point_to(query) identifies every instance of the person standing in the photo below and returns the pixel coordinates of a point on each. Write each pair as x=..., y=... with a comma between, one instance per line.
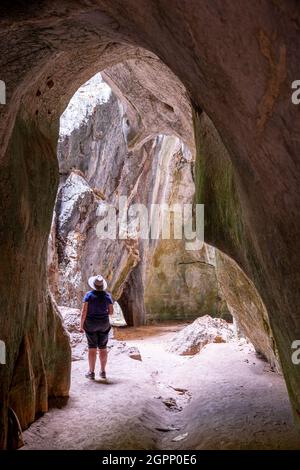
x=96, y=309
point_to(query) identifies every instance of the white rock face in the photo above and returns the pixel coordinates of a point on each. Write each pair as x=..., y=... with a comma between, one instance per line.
x=95, y=169
x=71, y=321
x=191, y=339
x=117, y=319
x=82, y=104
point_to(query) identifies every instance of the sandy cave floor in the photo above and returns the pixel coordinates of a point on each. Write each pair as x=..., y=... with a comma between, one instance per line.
x=223, y=398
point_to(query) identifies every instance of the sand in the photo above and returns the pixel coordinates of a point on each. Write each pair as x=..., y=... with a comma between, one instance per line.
x=223, y=398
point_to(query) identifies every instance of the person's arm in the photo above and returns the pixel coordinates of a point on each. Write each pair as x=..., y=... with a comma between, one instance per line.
x=110, y=303
x=83, y=315
x=110, y=309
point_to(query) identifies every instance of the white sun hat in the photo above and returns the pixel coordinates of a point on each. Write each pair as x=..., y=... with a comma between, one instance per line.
x=97, y=282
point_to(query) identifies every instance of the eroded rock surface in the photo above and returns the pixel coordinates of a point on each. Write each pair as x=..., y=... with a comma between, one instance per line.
x=98, y=167
x=204, y=330
x=247, y=308
x=180, y=283
x=141, y=272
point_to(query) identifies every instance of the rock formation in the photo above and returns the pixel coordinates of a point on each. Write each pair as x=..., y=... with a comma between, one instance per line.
x=141, y=273
x=204, y=330
x=96, y=168
x=247, y=308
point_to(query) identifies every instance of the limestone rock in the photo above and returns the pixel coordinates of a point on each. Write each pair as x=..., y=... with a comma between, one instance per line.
x=247, y=308
x=37, y=380
x=71, y=320
x=121, y=347
x=90, y=154
x=189, y=275
x=191, y=339
x=117, y=319
x=134, y=353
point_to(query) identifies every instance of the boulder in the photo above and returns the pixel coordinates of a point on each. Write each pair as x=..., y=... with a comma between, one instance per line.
x=134, y=353
x=191, y=339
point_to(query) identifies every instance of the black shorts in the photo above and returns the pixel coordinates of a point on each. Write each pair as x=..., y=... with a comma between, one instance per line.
x=97, y=339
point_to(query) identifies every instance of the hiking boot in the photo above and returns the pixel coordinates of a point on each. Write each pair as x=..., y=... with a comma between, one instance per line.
x=90, y=375
x=103, y=375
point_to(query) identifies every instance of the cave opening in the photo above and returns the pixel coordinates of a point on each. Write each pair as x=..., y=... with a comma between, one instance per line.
x=171, y=305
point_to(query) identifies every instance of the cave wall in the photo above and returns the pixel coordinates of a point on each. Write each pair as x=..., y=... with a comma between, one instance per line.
x=225, y=227
x=38, y=353
x=237, y=62
x=180, y=284
x=247, y=308
x=98, y=164
x=95, y=170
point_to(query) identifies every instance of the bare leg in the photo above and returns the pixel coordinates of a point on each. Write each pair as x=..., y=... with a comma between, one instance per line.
x=92, y=359
x=103, y=358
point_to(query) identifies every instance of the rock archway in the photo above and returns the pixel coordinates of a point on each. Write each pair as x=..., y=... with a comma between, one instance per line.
x=237, y=63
